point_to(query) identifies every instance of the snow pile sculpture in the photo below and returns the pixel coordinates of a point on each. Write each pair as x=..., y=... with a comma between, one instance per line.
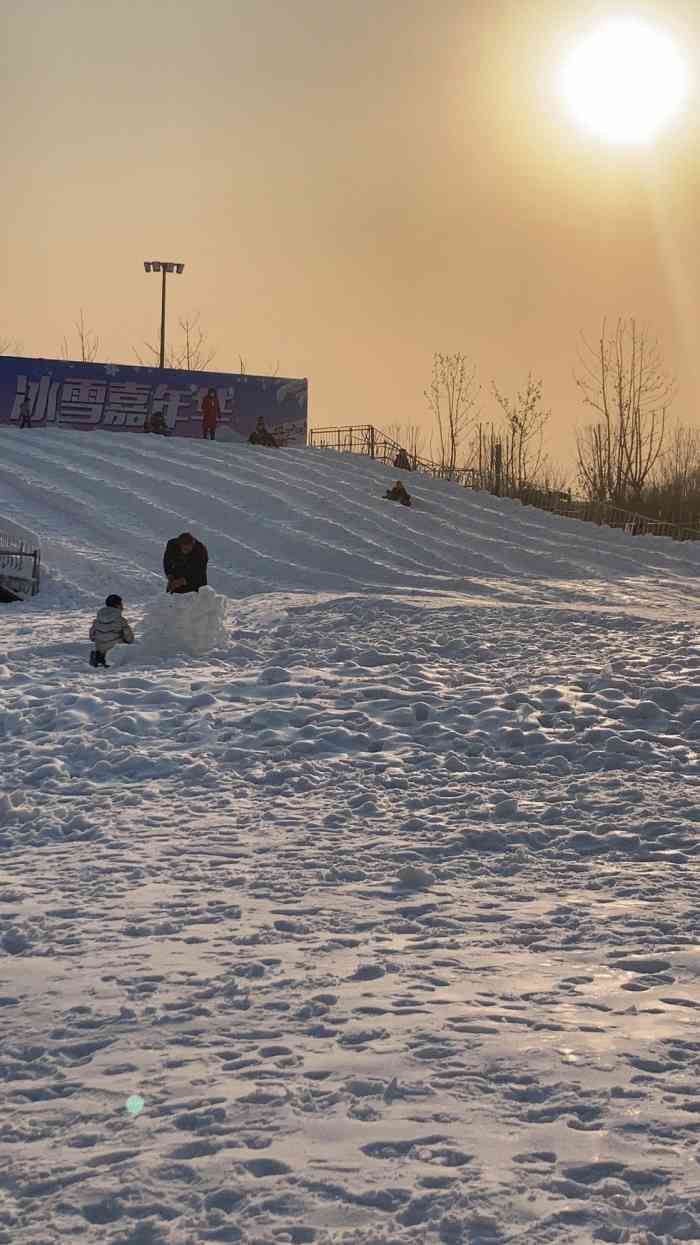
x=189, y=622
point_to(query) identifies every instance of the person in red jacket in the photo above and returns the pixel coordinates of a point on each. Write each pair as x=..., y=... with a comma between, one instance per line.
x=210, y=415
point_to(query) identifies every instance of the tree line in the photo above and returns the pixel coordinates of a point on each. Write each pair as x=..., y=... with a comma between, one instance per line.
x=630, y=454
x=189, y=349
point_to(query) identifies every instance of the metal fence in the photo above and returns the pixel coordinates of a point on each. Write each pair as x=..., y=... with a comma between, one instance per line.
x=605, y=514
x=366, y=439
x=20, y=564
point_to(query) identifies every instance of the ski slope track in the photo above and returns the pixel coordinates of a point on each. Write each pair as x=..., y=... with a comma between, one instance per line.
x=379, y=922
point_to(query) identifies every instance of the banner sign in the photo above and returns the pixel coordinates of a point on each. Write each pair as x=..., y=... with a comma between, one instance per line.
x=86, y=396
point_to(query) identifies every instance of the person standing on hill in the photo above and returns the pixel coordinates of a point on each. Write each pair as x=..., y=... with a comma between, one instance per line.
x=25, y=413
x=211, y=413
x=185, y=563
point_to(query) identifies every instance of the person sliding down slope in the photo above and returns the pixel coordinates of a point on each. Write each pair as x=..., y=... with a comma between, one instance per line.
x=398, y=493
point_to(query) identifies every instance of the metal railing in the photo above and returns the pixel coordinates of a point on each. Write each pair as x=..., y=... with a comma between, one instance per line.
x=20, y=564
x=366, y=439
x=605, y=514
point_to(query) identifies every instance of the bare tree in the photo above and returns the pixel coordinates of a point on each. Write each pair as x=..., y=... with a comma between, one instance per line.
x=673, y=490
x=678, y=466
x=452, y=399
x=408, y=436
x=414, y=442
x=88, y=342
x=624, y=380
x=195, y=353
x=552, y=477
x=192, y=353
x=525, y=419
x=9, y=345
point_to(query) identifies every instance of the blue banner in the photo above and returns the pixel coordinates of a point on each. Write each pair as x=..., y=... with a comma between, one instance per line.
x=86, y=396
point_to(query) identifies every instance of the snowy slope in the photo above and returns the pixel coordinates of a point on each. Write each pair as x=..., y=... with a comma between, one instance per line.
x=379, y=923
x=306, y=520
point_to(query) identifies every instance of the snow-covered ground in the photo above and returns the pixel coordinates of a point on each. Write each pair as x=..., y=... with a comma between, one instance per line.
x=379, y=922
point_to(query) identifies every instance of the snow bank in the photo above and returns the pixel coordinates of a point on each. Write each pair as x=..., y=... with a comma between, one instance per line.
x=193, y=623
x=230, y=436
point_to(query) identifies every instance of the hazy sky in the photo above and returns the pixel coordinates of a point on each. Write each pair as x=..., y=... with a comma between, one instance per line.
x=352, y=184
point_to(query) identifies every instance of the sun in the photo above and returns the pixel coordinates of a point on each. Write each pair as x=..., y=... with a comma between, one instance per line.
x=625, y=82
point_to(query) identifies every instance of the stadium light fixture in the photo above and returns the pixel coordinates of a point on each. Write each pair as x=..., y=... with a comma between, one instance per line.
x=159, y=265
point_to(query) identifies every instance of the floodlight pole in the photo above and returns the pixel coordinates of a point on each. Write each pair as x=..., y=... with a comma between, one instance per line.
x=164, y=267
x=162, y=322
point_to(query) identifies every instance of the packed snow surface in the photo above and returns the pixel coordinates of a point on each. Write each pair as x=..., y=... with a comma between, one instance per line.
x=358, y=901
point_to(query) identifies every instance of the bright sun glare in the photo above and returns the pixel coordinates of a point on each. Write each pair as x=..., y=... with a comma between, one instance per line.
x=625, y=81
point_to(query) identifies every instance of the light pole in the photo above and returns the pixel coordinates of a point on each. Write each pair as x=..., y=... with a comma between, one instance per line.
x=158, y=265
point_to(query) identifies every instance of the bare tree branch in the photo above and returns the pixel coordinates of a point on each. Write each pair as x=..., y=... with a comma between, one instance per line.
x=525, y=420
x=88, y=343
x=624, y=380
x=408, y=436
x=452, y=398
x=192, y=353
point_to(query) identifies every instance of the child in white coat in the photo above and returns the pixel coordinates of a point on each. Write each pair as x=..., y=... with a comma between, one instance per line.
x=108, y=629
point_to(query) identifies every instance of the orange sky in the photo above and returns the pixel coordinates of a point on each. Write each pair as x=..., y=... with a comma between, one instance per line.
x=351, y=185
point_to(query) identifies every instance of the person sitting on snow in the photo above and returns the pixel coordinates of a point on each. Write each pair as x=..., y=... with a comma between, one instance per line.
x=260, y=435
x=108, y=629
x=402, y=461
x=185, y=563
x=397, y=492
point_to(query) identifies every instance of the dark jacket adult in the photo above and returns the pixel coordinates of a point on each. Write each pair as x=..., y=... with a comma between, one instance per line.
x=211, y=412
x=190, y=566
x=398, y=493
x=260, y=436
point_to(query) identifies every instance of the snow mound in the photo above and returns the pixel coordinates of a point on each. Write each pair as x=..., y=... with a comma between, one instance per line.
x=193, y=623
x=229, y=435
